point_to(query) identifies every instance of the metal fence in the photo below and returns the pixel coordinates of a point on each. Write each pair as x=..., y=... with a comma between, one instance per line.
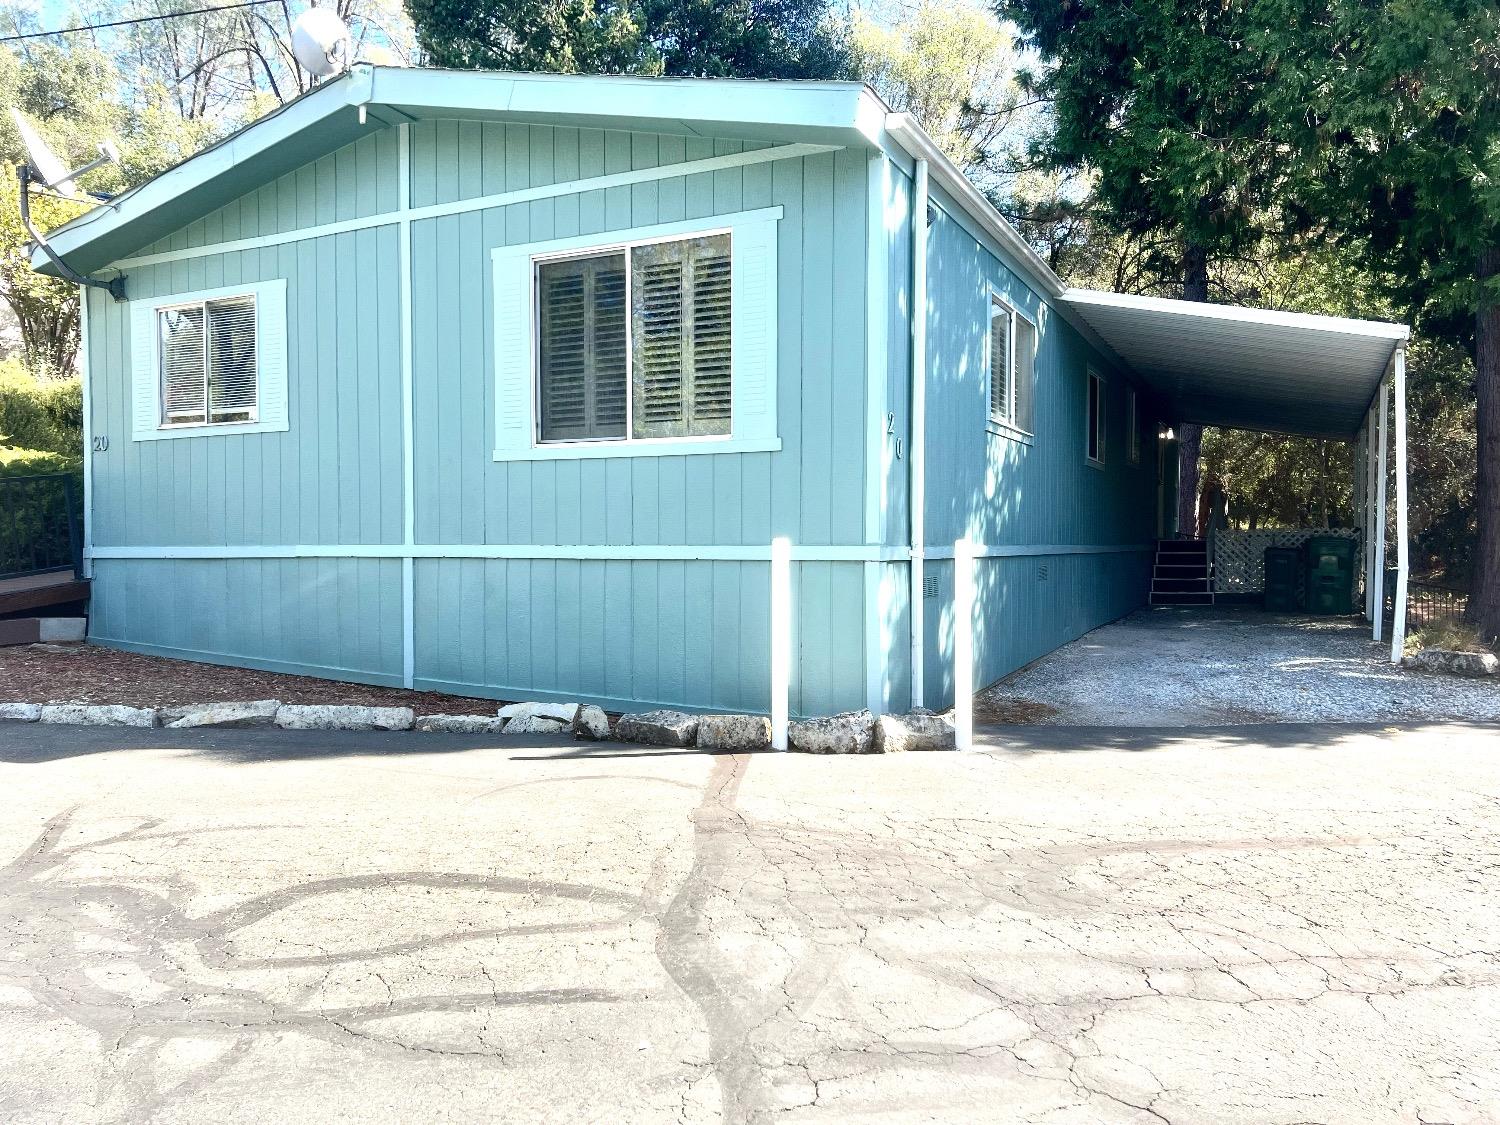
x=41, y=524
x=1428, y=603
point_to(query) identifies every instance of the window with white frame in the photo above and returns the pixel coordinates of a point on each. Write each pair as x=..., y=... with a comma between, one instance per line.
x=209, y=362
x=636, y=342
x=1132, y=428
x=656, y=340
x=1012, y=366
x=1094, y=439
x=207, y=356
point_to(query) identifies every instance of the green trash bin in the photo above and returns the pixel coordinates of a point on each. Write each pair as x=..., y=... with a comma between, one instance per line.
x=1283, y=579
x=1329, y=575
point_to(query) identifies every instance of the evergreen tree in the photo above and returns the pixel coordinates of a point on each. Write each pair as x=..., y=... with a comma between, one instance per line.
x=685, y=38
x=1164, y=100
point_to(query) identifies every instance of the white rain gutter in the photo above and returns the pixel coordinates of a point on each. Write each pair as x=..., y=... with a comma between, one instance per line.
x=918, y=500
x=905, y=131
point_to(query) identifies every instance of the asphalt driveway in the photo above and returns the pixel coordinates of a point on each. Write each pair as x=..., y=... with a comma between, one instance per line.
x=1264, y=924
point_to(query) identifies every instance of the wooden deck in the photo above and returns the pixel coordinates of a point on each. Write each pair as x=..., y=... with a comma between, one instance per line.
x=36, y=591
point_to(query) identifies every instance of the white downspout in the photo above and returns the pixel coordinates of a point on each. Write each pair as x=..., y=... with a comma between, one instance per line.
x=918, y=499
x=86, y=383
x=1380, y=488
x=1398, y=628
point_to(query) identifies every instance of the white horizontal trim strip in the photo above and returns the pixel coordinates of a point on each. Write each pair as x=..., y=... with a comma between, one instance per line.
x=631, y=236
x=674, y=447
x=1006, y=551
x=620, y=552
x=484, y=202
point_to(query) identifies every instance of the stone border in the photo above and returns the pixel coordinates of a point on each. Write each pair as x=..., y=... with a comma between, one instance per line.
x=853, y=732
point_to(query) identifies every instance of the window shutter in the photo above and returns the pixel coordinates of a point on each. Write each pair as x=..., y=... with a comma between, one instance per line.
x=657, y=309
x=753, y=329
x=513, y=318
x=1000, y=406
x=232, y=367
x=582, y=346
x=711, y=342
x=144, y=377
x=1025, y=380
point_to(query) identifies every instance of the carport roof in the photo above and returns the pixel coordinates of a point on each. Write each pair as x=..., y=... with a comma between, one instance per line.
x=1251, y=369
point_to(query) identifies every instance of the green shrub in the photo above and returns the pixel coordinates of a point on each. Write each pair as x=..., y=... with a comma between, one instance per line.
x=40, y=415
x=28, y=462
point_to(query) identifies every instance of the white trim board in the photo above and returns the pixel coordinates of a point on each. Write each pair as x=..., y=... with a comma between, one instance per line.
x=485, y=202
x=597, y=552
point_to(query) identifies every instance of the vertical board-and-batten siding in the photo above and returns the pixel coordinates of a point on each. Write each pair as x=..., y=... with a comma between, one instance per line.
x=617, y=630
x=1006, y=494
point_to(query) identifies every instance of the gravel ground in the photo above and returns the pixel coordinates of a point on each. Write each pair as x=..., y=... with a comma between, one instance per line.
x=91, y=674
x=1181, y=667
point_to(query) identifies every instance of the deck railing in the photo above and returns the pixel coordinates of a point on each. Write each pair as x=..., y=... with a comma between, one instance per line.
x=41, y=524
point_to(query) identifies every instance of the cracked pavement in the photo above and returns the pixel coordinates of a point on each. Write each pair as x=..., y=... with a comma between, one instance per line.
x=1250, y=924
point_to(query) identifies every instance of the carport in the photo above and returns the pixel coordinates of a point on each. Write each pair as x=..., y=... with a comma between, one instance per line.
x=1285, y=373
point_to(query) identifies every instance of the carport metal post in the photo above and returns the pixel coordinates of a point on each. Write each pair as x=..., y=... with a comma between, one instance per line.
x=1367, y=511
x=1398, y=627
x=1379, y=614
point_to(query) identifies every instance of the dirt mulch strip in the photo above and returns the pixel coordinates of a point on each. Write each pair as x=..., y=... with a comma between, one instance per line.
x=1012, y=712
x=89, y=674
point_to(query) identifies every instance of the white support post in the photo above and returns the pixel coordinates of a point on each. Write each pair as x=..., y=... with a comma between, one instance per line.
x=408, y=397
x=1398, y=627
x=781, y=639
x=963, y=644
x=1379, y=614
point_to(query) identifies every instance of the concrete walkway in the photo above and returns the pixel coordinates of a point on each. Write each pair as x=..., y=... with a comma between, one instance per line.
x=1169, y=666
x=1261, y=925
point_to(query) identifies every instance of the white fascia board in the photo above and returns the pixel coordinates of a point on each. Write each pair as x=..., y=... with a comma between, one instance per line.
x=248, y=144
x=1375, y=329
x=696, y=104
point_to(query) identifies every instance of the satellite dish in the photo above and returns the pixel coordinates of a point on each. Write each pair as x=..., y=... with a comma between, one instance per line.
x=51, y=172
x=320, y=42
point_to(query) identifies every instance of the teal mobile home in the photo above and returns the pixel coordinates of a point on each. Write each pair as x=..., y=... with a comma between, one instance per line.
x=507, y=385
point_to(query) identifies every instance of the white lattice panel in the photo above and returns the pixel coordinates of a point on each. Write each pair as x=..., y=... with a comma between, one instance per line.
x=1240, y=556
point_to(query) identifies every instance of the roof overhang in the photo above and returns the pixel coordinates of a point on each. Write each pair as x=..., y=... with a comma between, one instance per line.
x=369, y=98
x=1251, y=369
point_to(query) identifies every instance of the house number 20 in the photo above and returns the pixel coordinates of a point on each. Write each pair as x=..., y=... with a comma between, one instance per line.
x=101, y=443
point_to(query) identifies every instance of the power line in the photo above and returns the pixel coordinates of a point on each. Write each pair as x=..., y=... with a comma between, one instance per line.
x=141, y=19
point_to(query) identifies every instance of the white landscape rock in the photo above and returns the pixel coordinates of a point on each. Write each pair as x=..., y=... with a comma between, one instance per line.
x=256, y=713
x=536, y=724
x=317, y=716
x=562, y=712
x=919, y=729
x=98, y=715
x=21, y=712
x=460, y=724
x=734, y=732
x=1456, y=663
x=591, y=724
x=852, y=732
x=658, y=728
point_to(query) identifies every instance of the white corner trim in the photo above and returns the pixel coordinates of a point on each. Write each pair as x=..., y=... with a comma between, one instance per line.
x=86, y=386
x=633, y=236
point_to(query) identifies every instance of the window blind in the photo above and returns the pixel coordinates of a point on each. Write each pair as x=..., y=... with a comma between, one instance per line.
x=1000, y=369
x=208, y=361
